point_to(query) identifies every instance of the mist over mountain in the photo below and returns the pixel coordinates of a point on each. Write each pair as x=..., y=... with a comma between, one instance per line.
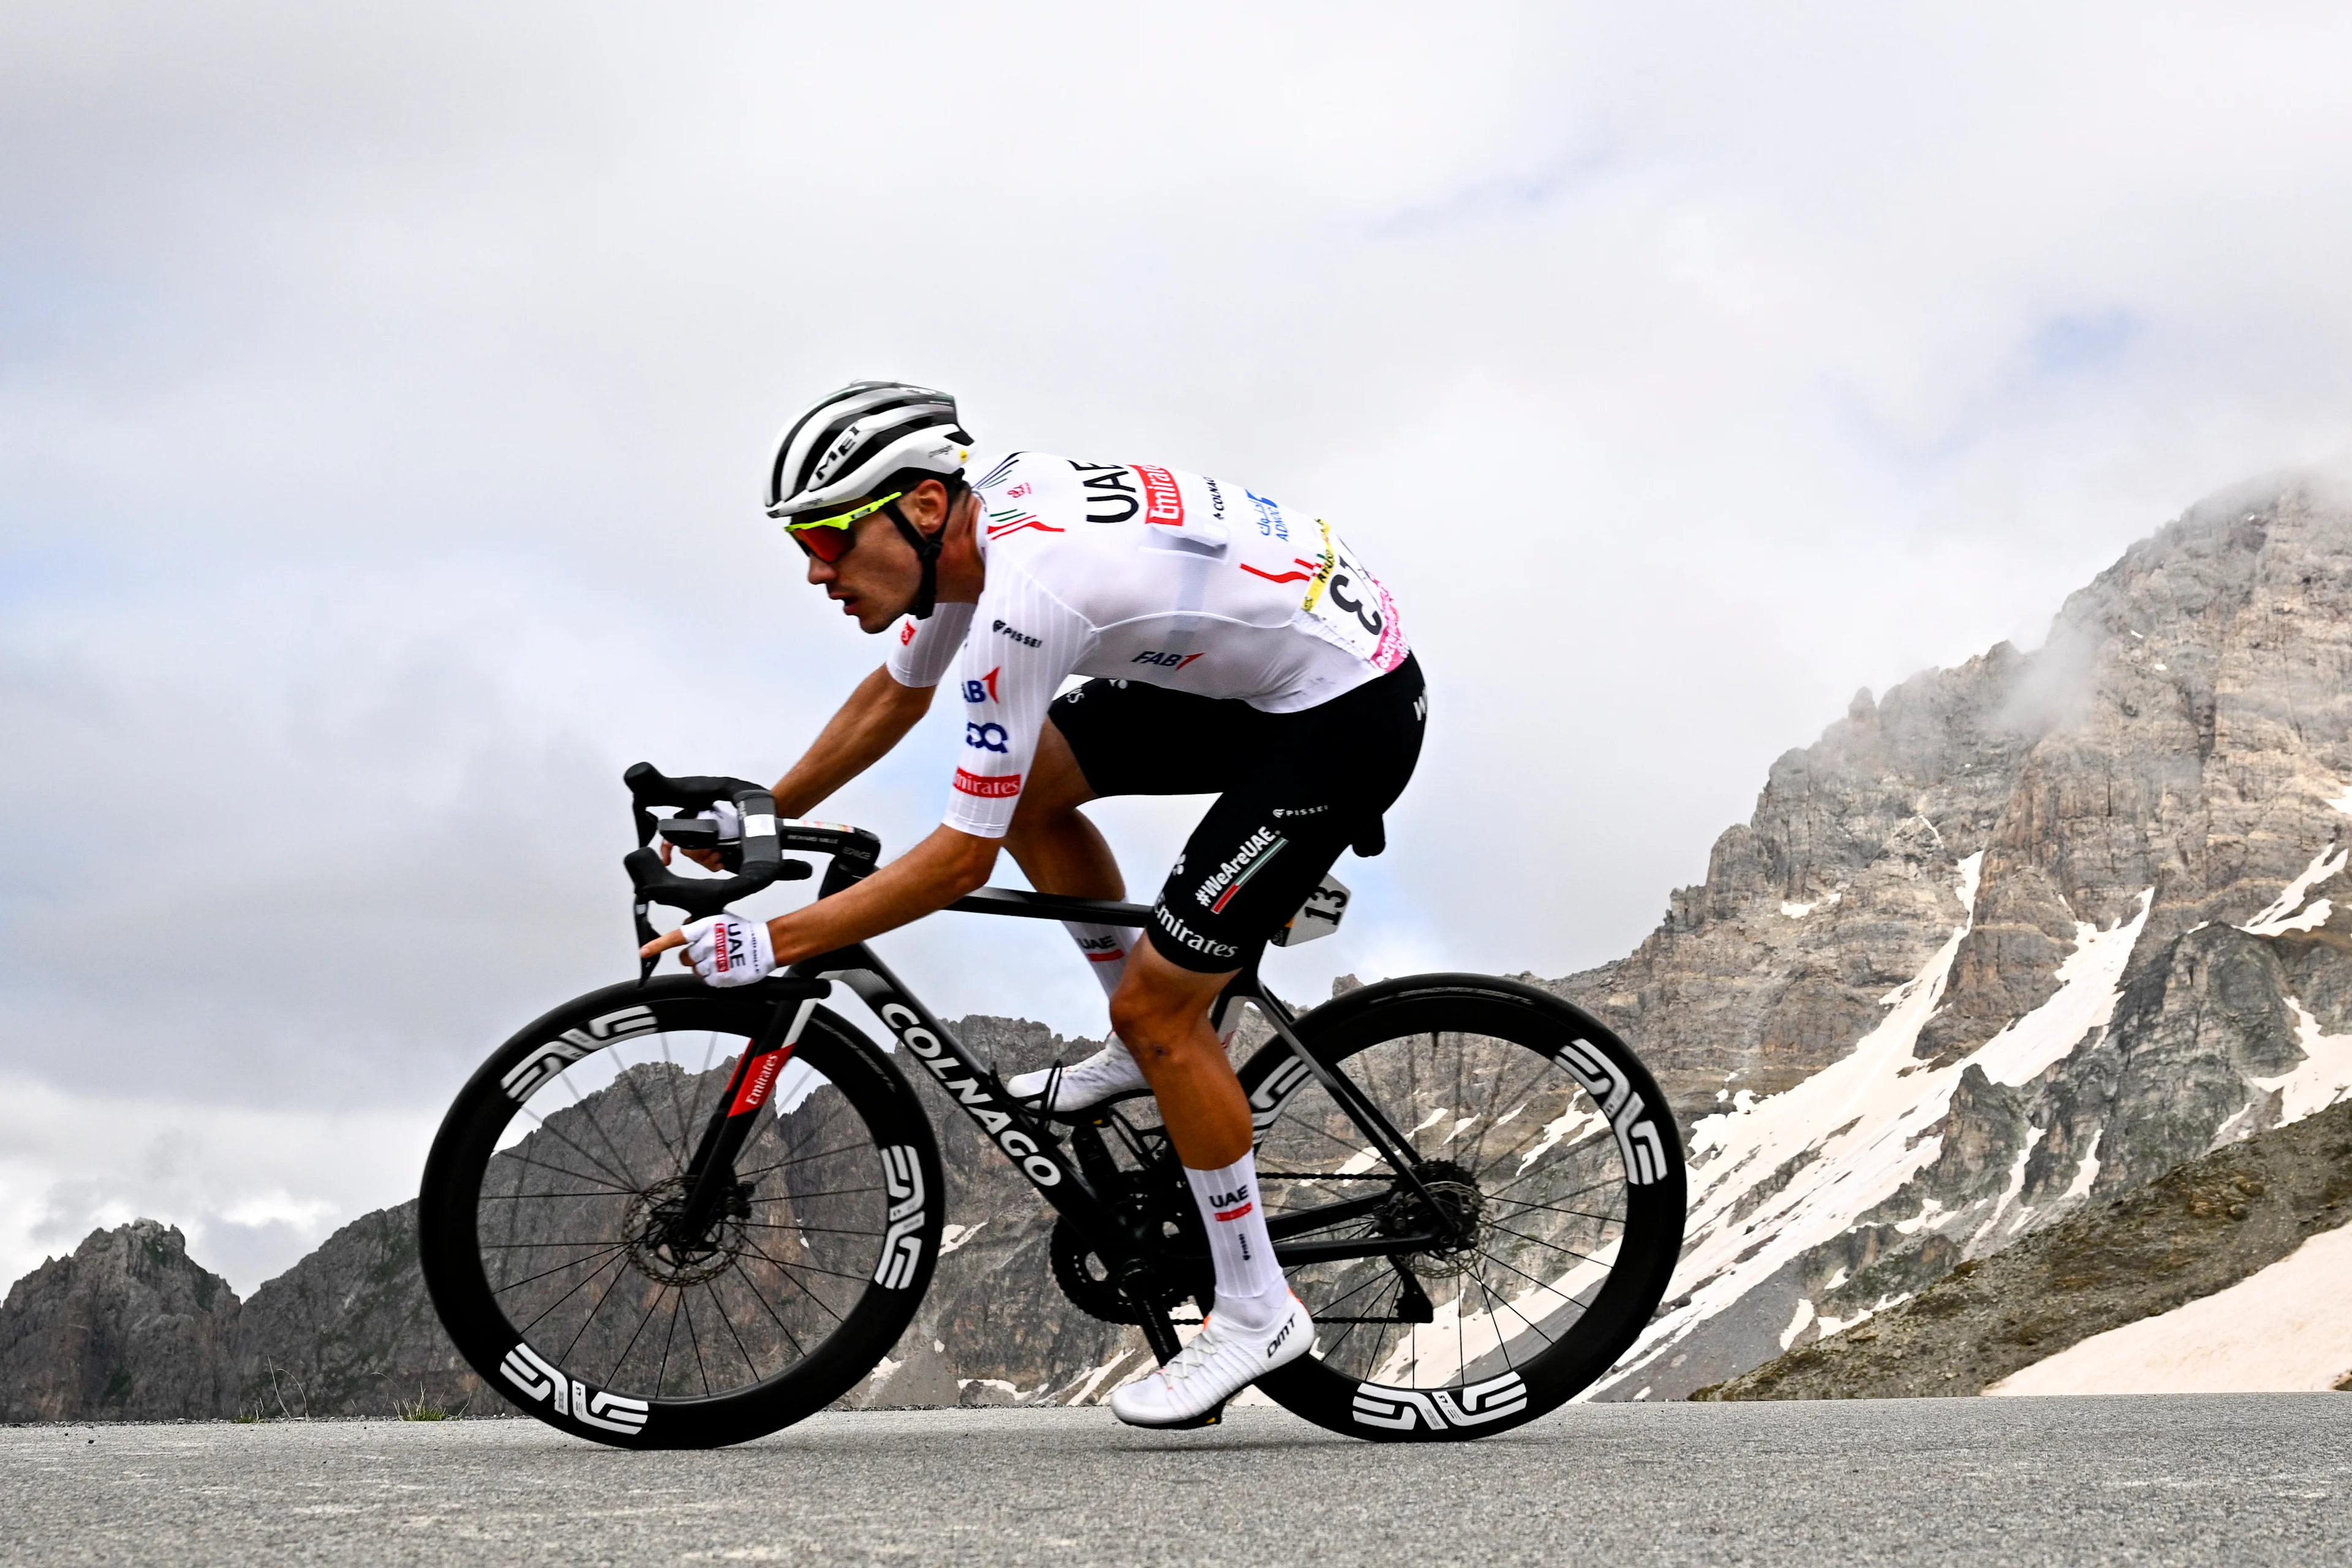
x=2010, y=940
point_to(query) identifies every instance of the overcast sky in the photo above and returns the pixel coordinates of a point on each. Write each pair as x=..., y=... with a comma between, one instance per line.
x=384, y=392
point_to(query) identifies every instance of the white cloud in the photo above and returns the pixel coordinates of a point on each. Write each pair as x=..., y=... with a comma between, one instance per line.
x=382, y=395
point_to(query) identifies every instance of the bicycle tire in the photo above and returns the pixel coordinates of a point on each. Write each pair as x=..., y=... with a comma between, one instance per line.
x=581, y=1123
x=1598, y=1178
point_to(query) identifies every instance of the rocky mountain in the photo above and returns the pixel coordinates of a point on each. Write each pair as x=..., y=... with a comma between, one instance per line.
x=2008, y=943
x=2016, y=937
x=126, y=1329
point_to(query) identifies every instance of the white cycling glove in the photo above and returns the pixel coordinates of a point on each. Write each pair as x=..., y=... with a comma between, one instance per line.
x=728, y=949
x=730, y=820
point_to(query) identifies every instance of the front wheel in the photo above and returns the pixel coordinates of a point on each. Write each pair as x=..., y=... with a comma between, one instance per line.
x=549, y=1227
x=1546, y=1159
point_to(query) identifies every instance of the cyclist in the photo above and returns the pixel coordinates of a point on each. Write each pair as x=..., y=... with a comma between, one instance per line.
x=1237, y=647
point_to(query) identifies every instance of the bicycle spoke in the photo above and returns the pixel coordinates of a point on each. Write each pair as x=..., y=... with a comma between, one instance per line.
x=520, y=1159
x=786, y=1269
x=613, y=1378
x=720, y=1307
x=694, y=1341
x=574, y=1291
x=761, y=1297
x=800, y=1160
x=1555, y=1208
x=591, y=1317
x=580, y=1103
x=626, y=1185
x=517, y=1285
x=824, y=1229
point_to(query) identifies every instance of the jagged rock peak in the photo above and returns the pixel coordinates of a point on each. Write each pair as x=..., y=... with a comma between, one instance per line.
x=2052, y=924
x=128, y=1328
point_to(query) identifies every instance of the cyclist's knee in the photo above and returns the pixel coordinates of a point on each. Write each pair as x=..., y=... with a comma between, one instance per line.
x=1160, y=1008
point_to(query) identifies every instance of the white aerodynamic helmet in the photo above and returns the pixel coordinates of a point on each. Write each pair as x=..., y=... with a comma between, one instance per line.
x=850, y=442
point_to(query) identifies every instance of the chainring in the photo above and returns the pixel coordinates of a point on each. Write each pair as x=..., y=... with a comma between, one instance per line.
x=1088, y=1283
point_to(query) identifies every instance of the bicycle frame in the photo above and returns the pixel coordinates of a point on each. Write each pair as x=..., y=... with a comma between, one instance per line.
x=1018, y=1132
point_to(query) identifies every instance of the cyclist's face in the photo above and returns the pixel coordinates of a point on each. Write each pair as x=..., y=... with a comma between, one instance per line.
x=877, y=579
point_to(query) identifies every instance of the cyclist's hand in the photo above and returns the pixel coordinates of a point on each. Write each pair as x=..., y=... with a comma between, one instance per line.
x=731, y=826
x=707, y=859
x=725, y=950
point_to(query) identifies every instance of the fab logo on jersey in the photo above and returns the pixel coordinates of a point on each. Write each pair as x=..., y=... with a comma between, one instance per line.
x=984, y=688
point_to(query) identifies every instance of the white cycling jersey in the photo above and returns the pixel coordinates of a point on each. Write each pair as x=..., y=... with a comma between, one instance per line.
x=1138, y=572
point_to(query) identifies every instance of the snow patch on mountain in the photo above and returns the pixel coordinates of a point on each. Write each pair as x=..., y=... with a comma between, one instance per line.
x=1773, y=1179
x=2287, y=912
x=2321, y=1079
x=2283, y=1330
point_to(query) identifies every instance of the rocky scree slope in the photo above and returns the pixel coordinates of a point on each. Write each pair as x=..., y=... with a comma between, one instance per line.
x=2193, y=1231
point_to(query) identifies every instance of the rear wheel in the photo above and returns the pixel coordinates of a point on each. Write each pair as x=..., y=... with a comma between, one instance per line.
x=550, y=1233
x=1548, y=1169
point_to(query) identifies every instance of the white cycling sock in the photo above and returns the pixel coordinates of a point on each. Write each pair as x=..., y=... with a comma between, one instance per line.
x=1106, y=948
x=1250, y=1291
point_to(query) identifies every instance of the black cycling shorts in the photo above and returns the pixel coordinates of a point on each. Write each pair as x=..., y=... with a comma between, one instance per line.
x=1293, y=790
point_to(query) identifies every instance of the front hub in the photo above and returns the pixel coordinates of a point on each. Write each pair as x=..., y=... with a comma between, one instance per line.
x=661, y=1249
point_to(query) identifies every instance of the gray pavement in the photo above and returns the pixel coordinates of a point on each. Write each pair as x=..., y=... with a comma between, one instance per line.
x=2236, y=1478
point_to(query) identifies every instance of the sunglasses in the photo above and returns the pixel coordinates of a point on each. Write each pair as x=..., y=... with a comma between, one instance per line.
x=831, y=538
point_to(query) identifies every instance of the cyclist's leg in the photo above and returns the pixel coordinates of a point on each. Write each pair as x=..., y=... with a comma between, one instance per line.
x=1111, y=737
x=1310, y=786
x=1056, y=848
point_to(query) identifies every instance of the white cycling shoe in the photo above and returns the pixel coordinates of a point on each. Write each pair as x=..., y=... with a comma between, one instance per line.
x=1109, y=1074
x=1219, y=1363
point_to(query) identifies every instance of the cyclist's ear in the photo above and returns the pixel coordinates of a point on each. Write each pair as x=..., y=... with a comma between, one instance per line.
x=927, y=506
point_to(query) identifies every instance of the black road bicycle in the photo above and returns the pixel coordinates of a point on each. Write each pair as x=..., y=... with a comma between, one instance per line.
x=670, y=1217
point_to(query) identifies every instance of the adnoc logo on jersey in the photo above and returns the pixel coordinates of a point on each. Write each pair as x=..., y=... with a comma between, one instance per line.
x=988, y=789
x=1164, y=502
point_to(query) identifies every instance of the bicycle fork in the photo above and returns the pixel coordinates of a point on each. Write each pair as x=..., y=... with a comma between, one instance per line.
x=709, y=1179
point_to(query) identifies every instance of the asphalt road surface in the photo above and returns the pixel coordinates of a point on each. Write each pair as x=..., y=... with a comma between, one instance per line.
x=2252, y=1479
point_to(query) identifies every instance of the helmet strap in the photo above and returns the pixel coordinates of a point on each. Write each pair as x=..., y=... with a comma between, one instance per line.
x=927, y=548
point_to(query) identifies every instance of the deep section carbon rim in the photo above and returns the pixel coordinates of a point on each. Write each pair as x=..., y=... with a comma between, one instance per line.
x=1536, y=1241
x=555, y=1245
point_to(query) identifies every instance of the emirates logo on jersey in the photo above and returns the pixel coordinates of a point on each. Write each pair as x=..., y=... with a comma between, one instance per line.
x=1001, y=788
x=1164, y=502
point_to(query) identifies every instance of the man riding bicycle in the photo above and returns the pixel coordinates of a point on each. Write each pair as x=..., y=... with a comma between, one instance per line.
x=1237, y=647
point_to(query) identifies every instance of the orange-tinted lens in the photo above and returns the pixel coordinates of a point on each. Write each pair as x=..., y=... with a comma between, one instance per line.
x=827, y=544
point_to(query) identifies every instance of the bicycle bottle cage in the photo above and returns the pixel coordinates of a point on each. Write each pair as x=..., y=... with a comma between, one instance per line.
x=754, y=860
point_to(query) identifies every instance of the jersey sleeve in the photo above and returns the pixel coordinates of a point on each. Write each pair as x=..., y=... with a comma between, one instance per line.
x=1023, y=642
x=925, y=648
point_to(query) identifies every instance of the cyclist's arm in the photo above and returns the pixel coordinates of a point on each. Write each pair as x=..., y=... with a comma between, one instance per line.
x=875, y=717
x=928, y=878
